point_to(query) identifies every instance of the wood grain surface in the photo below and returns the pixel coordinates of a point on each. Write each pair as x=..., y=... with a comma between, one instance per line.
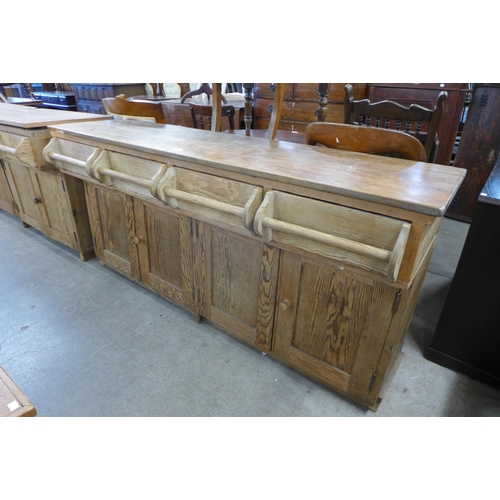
x=25, y=117
x=416, y=186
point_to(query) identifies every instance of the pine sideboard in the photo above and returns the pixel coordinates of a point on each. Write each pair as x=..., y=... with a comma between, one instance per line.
x=31, y=188
x=311, y=255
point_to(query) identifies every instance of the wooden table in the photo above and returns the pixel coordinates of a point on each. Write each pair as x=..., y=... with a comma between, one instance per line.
x=24, y=101
x=31, y=188
x=312, y=255
x=13, y=403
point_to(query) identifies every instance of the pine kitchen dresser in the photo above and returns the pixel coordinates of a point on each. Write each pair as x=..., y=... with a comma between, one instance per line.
x=311, y=255
x=31, y=188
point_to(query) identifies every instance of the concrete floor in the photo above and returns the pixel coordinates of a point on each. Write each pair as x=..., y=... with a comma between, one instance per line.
x=81, y=340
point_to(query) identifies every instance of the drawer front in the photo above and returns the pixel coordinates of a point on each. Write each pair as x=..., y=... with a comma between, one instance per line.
x=370, y=241
x=70, y=157
x=130, y=174
x=210, y=198
x=17, y=148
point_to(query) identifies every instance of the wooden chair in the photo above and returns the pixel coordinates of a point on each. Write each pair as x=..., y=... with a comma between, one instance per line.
x=280, y=124
x=376, y=141
x=202, y=115
x=205, y=88
x=277, y=106
x=123, y=108
x=420, y=122
x=169, y=90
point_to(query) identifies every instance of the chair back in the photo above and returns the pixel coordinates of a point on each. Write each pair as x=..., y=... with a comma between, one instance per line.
x=376, y=141
x=133, y=109
x=169, y=90
x=415, y=120
x=202, y=115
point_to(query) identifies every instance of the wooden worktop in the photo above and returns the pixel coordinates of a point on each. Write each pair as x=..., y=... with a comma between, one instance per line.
x=416, y=186
x=27, y=117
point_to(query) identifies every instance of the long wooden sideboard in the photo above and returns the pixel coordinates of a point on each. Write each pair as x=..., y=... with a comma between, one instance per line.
x=311, y=255
x=31, y=187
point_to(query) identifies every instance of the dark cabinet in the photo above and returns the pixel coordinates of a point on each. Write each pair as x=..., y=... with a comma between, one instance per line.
x=89, y=96
x=467, y=338
x=300, y=104
x=478, y=149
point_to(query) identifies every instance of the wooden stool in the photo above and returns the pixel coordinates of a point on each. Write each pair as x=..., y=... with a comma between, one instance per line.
x=13, y=403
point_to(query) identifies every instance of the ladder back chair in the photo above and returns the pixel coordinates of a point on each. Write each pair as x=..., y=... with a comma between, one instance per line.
x=122, y=108
x=415, y=120
x=202, y=115
x=371, y=140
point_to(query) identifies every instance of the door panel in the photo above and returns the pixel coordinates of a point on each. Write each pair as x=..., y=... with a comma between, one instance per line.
x=113, y=226
x=24, y=194
x=239, y=291
x=165, y=252
x=55, y=211
x=331, y=325
x=6, y=198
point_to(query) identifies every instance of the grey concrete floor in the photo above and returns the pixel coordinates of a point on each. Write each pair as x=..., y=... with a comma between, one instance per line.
x=81, y=340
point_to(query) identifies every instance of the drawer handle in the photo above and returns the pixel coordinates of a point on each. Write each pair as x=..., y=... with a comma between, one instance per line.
x=7, y=149
x=37, y=200
x=327, y=239
x=66, y=159
x=170, y=195
x=23, y=152
x=124, y=177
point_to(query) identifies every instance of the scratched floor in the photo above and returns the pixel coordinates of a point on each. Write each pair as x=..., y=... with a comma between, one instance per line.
x=81, y=340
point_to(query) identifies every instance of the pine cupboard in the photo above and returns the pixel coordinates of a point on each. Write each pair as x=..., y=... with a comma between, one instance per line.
x=311, y=255
x=31, y=188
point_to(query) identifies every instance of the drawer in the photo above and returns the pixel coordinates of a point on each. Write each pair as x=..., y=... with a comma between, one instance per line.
x=211, y=198
x=362, y=239
x=17, y=148
x=71, y=157
x=130, y=174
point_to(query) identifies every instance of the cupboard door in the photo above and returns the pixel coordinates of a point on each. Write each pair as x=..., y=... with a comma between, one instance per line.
x=238, y=283
x=330, y=325
x=6, y=199
x=26, y=199
x=113, y=227
x=165, y=250
x=54, y=208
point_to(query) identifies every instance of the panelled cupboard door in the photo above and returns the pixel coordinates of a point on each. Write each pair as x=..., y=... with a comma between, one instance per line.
x=6, y=199
x=24, y=194
x=330, y=325
x=55, y=213
x=145, y=242
x=113, y=227
x=238, y=283
x=165, y=246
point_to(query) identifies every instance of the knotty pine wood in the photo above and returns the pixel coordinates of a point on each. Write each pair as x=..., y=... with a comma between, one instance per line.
x=6, y=198
x=10, y=394
x=28, y=118
x=333, y=320
x=415, y=186
x=43, y=197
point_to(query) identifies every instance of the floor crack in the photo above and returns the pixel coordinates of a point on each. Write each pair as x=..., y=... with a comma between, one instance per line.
x=22, y=329
x=36, y=351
